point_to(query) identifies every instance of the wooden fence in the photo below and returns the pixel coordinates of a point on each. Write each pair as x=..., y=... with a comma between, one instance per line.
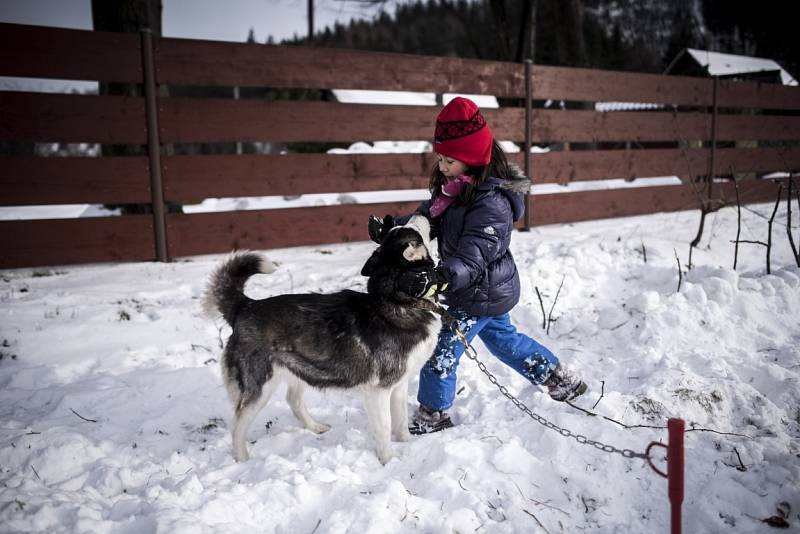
x=698, y=130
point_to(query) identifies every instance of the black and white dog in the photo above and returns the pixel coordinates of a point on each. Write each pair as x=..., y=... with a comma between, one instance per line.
x=370, y=342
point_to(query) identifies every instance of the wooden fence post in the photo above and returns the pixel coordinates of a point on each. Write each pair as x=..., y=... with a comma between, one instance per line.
x=713, y=139
x=154, y=145
x=528, y=135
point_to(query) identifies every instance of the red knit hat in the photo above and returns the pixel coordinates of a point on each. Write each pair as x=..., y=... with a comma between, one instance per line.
x=463, y=134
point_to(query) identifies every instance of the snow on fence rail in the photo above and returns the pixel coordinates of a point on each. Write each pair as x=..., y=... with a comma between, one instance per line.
x=705, y=127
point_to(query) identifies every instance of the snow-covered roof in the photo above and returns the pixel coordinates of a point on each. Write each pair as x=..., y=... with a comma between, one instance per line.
x=719, y=64
x=406, y=98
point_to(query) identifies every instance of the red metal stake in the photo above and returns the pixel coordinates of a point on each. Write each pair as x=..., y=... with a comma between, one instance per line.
x=674, y=474
x=675, y=471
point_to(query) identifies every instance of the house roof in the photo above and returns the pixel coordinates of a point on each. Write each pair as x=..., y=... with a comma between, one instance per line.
x=720, y=64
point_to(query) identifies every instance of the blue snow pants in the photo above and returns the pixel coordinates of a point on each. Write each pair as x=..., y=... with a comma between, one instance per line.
x=437, y=378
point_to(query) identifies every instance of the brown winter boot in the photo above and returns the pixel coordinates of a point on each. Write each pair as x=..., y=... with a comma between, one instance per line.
x=562, y=385
x=426, y=421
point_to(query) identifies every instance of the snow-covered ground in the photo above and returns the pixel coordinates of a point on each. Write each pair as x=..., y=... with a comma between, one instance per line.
x=114, y=417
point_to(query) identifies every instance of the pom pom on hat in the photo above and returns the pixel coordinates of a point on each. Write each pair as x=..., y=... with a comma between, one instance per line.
x=462, y=133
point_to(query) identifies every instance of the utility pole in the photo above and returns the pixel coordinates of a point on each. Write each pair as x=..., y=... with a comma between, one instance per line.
x=310, y=21
x=532, y=34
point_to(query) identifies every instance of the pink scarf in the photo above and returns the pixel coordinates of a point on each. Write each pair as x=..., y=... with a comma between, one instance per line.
x=448, y=195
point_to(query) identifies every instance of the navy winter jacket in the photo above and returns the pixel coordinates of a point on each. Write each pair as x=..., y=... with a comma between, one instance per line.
x=473, y=246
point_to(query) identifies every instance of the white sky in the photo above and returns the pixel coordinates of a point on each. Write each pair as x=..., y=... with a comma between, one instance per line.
x=228, y=20
x=222, y=20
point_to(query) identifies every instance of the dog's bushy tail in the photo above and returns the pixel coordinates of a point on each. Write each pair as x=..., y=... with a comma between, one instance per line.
x=225, y=292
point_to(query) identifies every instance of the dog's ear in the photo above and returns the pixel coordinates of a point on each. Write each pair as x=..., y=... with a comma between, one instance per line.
x=372, y=263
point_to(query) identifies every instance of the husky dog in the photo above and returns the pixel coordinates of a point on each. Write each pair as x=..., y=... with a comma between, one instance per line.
x=370, y=342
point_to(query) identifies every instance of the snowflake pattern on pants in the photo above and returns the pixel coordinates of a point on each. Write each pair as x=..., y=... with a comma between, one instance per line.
x=437, y=382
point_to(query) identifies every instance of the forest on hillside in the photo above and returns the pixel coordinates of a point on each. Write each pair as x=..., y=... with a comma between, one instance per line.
x=632, y=35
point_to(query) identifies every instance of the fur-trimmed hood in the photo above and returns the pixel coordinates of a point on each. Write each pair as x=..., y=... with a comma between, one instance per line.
x=516, y=181
x=513, y=186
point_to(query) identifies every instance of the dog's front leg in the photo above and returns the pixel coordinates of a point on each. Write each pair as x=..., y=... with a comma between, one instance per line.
x=399, y=403
x=376, y=403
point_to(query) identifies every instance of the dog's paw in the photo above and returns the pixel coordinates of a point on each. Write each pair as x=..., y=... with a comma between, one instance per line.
x=385, y=456
x=241, y=457
x=403, y=435
x=318, y=428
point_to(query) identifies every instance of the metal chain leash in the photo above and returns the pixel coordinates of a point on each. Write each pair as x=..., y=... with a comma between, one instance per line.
x=472, y=355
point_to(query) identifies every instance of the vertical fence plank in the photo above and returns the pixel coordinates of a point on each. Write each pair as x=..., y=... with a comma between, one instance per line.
x=153, y=146
x=527, y=145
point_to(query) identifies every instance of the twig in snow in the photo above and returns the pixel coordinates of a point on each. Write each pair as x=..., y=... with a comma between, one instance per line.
x=659, y=427
x=583, y=500
x=741, y=464
x=537, y=520
x=644, y=252
x=555, y=300
x=680, y=273
x=540, y=503
x=82, y=417
x=541, y=303
x=773, y=521
x=718, y=432
x=464, y=476
x=35, y=473
x=319, y=522
x=602, y=393
x=405, y=516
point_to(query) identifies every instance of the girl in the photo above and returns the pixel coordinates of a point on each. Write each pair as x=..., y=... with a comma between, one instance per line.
x=475, y=198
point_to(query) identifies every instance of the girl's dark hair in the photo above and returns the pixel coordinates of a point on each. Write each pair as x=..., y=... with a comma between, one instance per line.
x=497, y=167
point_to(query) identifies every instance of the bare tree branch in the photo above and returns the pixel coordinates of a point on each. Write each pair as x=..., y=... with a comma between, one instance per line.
x=789, y=221
x=771, y=220
x=602, y=393
x=550, y=315
x=738, y=223
x=541, y=303
x=750, y=242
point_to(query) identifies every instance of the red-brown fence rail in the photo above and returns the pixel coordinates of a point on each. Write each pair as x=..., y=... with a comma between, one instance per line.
x=700, y=123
